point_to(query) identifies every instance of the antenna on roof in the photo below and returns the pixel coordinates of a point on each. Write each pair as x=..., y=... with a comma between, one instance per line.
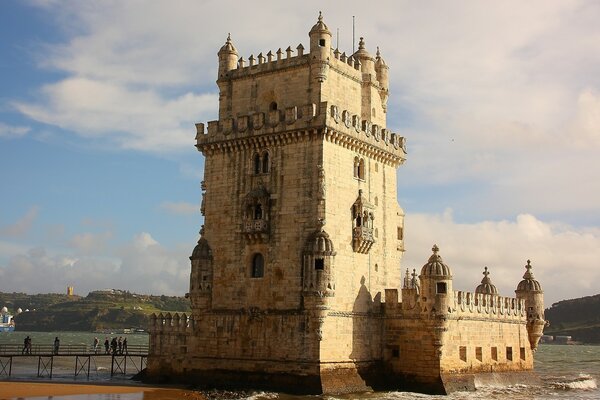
x=353, y=34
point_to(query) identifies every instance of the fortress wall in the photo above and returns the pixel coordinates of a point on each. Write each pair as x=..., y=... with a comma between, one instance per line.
x=484, y=345
x=283, y=343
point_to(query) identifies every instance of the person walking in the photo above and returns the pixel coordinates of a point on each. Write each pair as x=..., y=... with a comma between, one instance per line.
x=96, y=343
x=25, y=345
x=56, y=345
x=106, y=344
x=125, y=345
x=120, y=344
x=113, y=345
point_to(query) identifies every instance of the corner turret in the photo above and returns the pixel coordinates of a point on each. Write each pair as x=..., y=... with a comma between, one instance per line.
x=228, y=57
x=367, y=62
x=436, y=284
x=382, y=74
x=201, y=276
x=530, y=290
x=320, y=49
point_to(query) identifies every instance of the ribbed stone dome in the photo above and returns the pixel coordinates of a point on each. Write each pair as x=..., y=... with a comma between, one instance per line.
x=486, y=286
x=362, y=52
x=228, y=47
x=435, y=266
x=320, y=26
x=320, y=244
x=201, y=251
x=529, y=283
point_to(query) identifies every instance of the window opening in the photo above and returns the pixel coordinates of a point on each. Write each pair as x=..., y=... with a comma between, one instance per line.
x=319, y=264
x=322, y=42
x=258, y=214
x=258, y=268
x=495, y=353
x=462, y=352
x=509, y=354
x=265, y=163
x=441, y=287
x=478, y=354
x=273, y=106
x=256, y=164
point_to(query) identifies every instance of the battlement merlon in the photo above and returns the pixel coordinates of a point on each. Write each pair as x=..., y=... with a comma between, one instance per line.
x=339, y=126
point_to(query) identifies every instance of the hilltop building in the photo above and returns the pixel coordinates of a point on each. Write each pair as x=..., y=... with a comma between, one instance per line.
x=296, y=282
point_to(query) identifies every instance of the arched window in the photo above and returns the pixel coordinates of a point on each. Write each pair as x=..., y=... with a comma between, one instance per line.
x=361, y=169
x=356, y=167
x=256, y=163
x=258, y=266
x=265, y=162
x=258, y=213
x=273, y=106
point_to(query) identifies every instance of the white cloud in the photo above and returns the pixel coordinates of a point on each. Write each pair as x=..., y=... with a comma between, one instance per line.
x=21, y=226
x=90, y=243
x=565, y=259
x=11, y=131
x=141, y=265
x=181, y=208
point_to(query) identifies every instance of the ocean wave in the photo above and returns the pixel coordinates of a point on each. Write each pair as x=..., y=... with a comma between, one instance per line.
x=582, y=382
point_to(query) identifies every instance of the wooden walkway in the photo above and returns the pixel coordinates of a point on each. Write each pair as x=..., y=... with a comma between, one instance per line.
x=135, y=357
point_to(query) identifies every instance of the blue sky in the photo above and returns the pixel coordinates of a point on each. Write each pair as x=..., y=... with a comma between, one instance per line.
x=100, y=182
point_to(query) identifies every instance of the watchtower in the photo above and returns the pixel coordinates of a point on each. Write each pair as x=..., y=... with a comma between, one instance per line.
x=302, y=230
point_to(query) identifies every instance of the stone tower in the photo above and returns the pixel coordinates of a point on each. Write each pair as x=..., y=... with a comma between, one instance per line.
x=302, y=229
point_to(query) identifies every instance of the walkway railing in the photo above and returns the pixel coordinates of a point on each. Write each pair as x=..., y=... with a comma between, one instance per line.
x=135, y=356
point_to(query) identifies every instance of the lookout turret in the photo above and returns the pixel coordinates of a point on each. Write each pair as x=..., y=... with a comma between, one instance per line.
x=227, y=57
x=486, y=286
x=436, y=283
x=531, y=290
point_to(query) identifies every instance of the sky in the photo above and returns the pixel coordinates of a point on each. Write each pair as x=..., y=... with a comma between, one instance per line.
x=100, y=180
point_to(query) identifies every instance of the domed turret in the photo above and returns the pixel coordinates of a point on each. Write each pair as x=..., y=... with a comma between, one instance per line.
x=318, y=266
x=530, y=290
x=367, y=62
x=320, y=48
x=486, y=286
x=382, y=71
x=228, y=57
x=201, y=275
x=435, y=266
x=436, y=283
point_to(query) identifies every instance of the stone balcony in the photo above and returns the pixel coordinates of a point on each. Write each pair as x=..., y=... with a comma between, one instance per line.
x=362, y=239
x=256, y=230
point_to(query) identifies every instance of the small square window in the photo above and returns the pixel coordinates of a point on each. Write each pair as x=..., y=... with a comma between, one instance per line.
x=462, y=352
x=441, y=287
x=495, y=353
x=322, y=42
x=509, y=355
x=319, y=264
x=522, y=353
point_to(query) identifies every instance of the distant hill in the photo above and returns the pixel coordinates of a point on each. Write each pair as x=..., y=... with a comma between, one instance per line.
x=102, y=309
x=579, y=318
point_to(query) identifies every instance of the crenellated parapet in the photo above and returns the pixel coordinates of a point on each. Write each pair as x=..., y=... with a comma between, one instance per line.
x=274, y=127
x=489, y=306
x=170, y=323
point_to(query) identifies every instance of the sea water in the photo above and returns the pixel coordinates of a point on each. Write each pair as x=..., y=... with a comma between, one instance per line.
x=566, y=372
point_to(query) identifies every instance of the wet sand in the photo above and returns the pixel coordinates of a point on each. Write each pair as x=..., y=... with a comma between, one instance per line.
x=14, y=390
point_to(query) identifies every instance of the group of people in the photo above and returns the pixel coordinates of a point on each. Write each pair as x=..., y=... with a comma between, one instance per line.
x=27, y=346
x=113, y=346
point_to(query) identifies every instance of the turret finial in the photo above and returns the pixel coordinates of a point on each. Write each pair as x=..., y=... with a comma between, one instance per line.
x=320, y=19
x=378, y=54
x=435, y=249
x=229, y=37
x=485, y=272
x=361, y=44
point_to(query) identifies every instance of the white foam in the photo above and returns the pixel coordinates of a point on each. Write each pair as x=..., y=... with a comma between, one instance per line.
x=583, y=382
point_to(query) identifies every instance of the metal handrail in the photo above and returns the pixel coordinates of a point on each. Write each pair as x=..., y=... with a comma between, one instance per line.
x=67, y=349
